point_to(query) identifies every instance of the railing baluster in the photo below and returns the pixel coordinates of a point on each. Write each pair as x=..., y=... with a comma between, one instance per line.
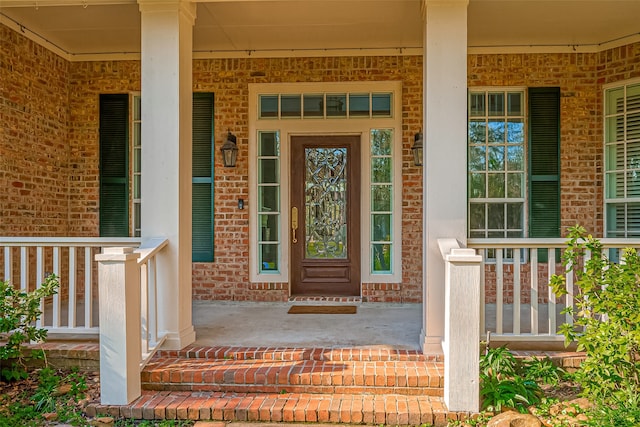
x=533, y=257
x=483, y=299
x=153, y=301
x=39, y=281
x=144, y=301
x=88, y=288
x=56, y=297
x=72, y=288
x=499, y=291
x=24, y=268
x=569, y=296
x=8, y=264
x=516, y=291
x=552, y=296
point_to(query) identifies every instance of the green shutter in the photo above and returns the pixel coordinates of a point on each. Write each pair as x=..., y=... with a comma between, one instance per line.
x=114, y=166
x=544, y=164
x=202, y=184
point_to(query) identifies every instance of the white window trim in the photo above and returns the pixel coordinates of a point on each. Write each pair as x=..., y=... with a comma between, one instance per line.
x=288, y=127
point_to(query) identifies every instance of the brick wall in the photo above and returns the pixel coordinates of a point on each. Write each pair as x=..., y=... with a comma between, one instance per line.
x=34, y=152
x=52, y=105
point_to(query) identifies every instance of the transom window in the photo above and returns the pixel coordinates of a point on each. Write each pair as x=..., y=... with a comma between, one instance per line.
x=622, y=160
x=496, y=162
x=325, y=105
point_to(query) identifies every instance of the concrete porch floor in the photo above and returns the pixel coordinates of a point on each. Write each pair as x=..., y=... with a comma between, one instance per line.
x=267, y=324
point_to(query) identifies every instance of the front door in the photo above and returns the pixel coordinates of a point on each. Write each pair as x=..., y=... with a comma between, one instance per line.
x=325, y=215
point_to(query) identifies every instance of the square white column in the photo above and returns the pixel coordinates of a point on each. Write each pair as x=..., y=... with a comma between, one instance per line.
x=166, y=62
x=445, y=151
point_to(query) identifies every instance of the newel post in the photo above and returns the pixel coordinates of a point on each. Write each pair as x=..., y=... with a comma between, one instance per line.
x=461, y=343
x=120, y=325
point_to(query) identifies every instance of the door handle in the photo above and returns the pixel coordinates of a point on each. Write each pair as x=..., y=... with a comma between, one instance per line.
x=294, y=224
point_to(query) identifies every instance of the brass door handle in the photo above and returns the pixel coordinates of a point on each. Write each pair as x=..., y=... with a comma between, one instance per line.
x=294, y=224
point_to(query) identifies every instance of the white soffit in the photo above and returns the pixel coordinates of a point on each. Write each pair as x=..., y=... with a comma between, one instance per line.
x=86, y=29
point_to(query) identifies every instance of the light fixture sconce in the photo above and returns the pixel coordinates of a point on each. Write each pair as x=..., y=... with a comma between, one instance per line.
x=229, y=151
x=416, y=149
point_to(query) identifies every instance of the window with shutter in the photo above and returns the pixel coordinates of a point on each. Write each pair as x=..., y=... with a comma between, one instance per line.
x=622, y=160
x=202, y=184
x=114, y=166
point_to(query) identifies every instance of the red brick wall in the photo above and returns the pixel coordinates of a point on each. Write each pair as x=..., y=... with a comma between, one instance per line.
x=34, y=152
x=52, y=105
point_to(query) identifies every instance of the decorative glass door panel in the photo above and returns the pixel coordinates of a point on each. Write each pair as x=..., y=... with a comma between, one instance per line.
x=326, y=203
x=325, y=213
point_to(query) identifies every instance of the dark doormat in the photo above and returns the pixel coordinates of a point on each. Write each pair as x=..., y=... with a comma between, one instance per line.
x=323, y=309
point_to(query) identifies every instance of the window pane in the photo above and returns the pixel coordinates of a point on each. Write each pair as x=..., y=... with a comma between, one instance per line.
x=268, y=199
x=381, y=104
x=476, y=104
x=614, y=98
x=496, y=185
x=633, y=126
x=381, y=228
x=614, y=129
x=477, y=185
x=515, y=217
x=476, y=216
x=381, y=257
x=336, y=105
x=290, y=106
x=381, y=198
x=614, y=185
x=515, y=185
x=269, y=144
x=268, y=171
x=496, y=132
x=136, y=186
x=137, y=108
x=313, y=106
x=515, y=131
x=381, y=141
x=496, y=104
x=477, y=161
x=268, y=228
x=496, y=159
x=633, y=183
x=268, y=106
x=514, y=104
x=268, y=258
x=515, y=158
x=495, y=216
x=359, y=105
x=477, y=131
x=633, y=155
x=381, y=169
x=614, y=157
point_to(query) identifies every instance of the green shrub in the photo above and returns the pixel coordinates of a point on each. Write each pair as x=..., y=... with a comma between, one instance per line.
x=19, y=311
x=607, y=315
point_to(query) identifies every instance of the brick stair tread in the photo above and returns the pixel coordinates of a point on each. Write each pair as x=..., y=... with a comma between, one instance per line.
x=380, y=377
x=390, y=409
x=302, y=353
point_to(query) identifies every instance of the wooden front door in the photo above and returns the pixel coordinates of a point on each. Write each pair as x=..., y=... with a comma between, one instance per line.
x=325, y=215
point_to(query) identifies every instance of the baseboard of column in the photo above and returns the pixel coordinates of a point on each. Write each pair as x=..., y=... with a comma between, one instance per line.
x=178, y=341
x=431, y=345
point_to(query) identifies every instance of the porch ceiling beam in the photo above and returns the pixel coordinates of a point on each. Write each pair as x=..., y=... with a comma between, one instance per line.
x=44, y=3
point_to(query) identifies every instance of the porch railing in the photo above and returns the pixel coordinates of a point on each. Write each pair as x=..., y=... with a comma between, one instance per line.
x=28, y=260
x=517, y=303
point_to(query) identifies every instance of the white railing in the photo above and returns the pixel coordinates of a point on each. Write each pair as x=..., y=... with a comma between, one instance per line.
x=517, y=303
x=28, y=260
x=151, y=340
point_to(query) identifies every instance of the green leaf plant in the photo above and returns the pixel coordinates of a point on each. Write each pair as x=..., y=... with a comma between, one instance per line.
x=606, y=316
x=19, y=311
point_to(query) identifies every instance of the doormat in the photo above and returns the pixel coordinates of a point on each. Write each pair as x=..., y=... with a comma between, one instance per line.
x=323, y=309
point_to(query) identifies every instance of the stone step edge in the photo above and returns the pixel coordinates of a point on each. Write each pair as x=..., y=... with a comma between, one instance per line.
x=301, y=353
x=398, y=410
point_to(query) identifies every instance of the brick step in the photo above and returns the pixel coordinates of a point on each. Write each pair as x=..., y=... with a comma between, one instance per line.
x=304, y=353
x=303, y=376
x=390, y=409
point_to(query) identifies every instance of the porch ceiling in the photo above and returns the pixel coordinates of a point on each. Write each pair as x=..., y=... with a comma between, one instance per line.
x=86, y=27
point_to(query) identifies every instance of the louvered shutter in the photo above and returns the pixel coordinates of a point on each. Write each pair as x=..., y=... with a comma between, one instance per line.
x=544, y=163
x=202, y=184
x=114, y=167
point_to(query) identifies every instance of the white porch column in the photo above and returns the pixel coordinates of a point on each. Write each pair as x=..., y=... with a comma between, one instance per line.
x=445, y=150
x=167, y=39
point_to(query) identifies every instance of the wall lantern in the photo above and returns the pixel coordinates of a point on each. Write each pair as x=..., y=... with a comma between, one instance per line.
x=417, y=149
x=229, y=151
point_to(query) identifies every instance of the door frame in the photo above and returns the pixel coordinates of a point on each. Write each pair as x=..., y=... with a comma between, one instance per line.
x=288, y=127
